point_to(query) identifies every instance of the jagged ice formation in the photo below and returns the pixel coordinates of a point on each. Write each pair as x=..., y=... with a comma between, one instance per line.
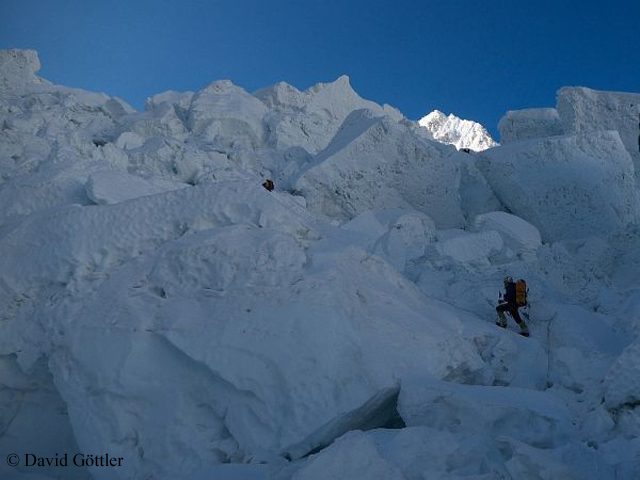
x=159, y=305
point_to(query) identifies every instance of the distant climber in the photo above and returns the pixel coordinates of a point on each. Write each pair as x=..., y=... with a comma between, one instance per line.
x=268, y=184
x=515, y=296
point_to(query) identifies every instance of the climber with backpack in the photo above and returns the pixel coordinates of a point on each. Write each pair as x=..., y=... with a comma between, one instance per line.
x=515, y=297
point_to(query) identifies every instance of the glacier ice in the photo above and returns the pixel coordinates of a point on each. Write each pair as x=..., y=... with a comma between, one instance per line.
x=158, y=304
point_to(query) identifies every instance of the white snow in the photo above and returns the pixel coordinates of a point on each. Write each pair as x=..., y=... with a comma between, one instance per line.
x=530, y=123
x=375, y=162
x=583, y=110
x=157, y=303
x=569, y=186
x=455, y=131
x=518, y=235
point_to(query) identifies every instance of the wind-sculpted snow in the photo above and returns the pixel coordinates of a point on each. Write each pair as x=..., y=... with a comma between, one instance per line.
x=157, y=303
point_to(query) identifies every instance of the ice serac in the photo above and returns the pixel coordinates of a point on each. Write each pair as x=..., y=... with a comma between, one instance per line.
x=455, y=131
x=583, y=110
x=158, y=304
x=623, y=380
x=18, y=69
x=375, y=162
x=530, y=123
x=310, y=119
x=224, y=113
x=30, y=402
x=535, y=418
x=519, y=235
x=422, y=452
x=568, y=186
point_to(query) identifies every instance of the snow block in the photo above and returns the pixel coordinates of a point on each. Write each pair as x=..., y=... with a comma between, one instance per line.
x=161, y=121
x=225, y=114
x=18, y=68
x=112, y=186
x=310, y=119
x=374, y=163
x=425, y=453
x=353, y=456
x=583, y=110
x=471, y=248
x=406, y=240
x=530, y=123
x=377, y=412
x=530, y=416
x=518, y=235
x=622, y=382
x=568, y=186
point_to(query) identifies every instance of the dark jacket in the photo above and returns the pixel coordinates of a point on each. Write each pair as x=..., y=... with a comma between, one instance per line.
x=510, y=294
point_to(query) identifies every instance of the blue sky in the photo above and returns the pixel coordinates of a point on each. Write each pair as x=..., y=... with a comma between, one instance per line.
x=476, y=59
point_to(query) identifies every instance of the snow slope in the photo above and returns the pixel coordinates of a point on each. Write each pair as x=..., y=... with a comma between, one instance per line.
x=158, y=304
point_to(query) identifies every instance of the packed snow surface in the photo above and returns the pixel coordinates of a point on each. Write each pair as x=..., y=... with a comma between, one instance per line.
x=159, y=305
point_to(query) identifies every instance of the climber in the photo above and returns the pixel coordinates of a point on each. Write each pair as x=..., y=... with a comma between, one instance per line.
x=268, y=184
x=515, y=296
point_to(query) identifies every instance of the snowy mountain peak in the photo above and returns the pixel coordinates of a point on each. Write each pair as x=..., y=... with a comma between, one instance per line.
x=456, y=131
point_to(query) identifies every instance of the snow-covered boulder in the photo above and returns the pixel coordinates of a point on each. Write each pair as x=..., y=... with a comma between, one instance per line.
x=375, y=162
x=535, y=418
x=530, y=123
x=568, y=186
x=583, y=110
x=455, y=131
x=518, y=235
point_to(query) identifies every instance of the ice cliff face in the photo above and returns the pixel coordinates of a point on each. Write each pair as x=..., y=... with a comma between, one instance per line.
x=455, y=131
x=159, y=305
